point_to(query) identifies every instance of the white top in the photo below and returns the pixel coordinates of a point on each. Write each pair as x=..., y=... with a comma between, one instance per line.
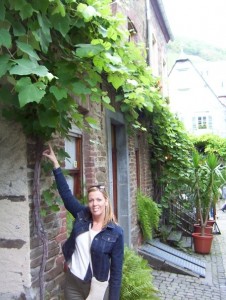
x=81, y=257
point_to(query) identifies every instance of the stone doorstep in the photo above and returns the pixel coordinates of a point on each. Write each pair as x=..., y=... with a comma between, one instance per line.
x=186, y=242
x=174, y=236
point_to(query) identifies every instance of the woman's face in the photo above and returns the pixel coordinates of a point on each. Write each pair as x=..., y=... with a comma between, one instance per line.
x=97, y=203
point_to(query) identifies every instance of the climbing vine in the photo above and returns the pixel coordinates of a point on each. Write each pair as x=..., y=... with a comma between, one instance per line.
x=171, y=154
x=52, y=51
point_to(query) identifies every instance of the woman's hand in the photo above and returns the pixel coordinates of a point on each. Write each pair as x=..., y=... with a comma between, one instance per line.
x=49, y=153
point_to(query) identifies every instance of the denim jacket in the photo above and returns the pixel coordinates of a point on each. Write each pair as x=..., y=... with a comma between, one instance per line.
x=107, y=247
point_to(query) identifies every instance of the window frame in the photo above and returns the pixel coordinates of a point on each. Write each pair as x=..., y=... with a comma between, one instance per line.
x=76, y=173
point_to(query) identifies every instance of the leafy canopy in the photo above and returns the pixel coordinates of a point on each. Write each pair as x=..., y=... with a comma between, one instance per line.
x=55, y=51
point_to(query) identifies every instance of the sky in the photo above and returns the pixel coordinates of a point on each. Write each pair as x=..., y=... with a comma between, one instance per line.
x=203, y=20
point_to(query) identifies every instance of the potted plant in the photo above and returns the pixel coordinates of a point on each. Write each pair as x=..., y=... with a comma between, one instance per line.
x=208, y=228
x=207, y=178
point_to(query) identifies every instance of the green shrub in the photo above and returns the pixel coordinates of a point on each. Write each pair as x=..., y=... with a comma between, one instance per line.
x=137, y=278
x=148, y=215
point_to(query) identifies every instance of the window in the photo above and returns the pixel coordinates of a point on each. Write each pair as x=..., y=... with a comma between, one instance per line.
x=73, y=146
x=202, y=122
x=184, y=79
x=132, y=31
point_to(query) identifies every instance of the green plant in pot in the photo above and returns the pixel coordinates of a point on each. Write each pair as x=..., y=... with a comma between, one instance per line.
x=208, y=176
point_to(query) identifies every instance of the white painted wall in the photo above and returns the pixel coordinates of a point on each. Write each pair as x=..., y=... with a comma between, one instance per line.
x=190, y=96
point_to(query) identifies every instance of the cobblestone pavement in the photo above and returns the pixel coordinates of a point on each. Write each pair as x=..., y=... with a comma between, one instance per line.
x=173, y=286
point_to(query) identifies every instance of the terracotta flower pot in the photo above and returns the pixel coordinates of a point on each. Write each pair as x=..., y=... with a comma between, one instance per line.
x=210, y=222
x=202, y=244
x=208, y=229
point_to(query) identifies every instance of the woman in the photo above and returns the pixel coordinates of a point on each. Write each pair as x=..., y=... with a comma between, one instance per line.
x=95, y=246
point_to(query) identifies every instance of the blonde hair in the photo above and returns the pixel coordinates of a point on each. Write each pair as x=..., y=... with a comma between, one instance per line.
x=109, y=214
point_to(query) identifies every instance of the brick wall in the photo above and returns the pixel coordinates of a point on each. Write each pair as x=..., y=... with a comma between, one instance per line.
x=145, y=181
x=95, y=150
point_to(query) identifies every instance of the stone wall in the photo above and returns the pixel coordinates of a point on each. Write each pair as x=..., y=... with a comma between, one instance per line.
x=20, y=249
x=14, y=213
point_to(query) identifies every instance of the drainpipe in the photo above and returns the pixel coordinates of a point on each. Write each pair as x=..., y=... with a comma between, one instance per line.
x=149, y=32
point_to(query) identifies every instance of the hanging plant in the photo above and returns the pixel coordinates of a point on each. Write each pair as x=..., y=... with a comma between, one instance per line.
x=148, y=215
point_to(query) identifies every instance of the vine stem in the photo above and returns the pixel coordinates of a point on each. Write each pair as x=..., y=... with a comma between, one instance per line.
x=36, y=197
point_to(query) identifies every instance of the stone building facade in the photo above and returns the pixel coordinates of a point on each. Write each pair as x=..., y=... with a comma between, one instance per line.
x=110, y=156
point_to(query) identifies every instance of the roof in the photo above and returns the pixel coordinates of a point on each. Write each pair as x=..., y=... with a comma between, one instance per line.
x=213, y=73
x=162, y=19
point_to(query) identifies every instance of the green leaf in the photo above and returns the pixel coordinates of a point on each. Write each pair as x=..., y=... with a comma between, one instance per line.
x=124, y=107
x=45, y=40
x=107, y=46
x=132, y=82
x=94, y=79
x=106, y=99
x=44, y=23
x=6, y=96
x=99, y=62
x=80, y=88
x=5, y=38
x=114, y=59
x=145, y=80
x=41, y=5
x=2, y=11
x=88, y=12
x=116, y=79
x=61, y=24
x=26, y=11
x=112, y=33
x=54, y=208
x=25, y=67
x=109, y=107
x=102, y=31
x=60, y=9
x=92, y=122
x=59, y=93
x=18, y=29
x=28, y=49
x=43, y=33
x=29, y=92
x=43, y=213
x=88, y=50
x=48, y=197
x=48, y=118
x=120, y=69
x=4, y=64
